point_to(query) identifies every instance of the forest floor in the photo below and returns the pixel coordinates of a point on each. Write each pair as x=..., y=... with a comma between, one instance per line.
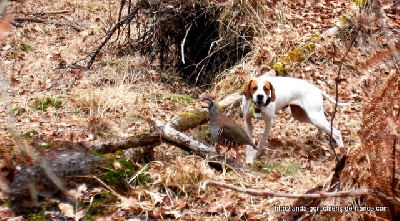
x=117, y=96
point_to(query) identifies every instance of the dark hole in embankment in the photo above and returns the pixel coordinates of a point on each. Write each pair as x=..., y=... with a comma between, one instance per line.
x=210, y=45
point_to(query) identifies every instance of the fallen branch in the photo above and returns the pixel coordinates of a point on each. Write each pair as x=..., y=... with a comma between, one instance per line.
x=191, y=119
x=184, y=142
x=124, y=144
x=183, y=122
x=172, y=133
x=163, y=132
x=166, y=132
x=54, y=12
x=270, y=193
x=44, y=21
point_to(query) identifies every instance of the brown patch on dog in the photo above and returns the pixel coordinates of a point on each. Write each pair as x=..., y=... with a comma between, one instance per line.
x=250, y=88
x=267, y=88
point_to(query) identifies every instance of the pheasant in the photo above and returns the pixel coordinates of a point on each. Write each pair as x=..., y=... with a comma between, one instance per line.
x=225, y=131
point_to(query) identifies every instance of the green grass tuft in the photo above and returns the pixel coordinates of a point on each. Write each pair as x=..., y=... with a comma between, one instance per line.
x=99, y=205
x=284, y=168
x=184, y=99
x=44, y=103
x=16, y=111
x=118, y=178
x=29, y=134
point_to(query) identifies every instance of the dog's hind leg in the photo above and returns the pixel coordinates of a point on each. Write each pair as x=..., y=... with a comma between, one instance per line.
x=319, y=120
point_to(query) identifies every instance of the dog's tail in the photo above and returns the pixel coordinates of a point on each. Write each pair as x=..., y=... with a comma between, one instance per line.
x=333, y=100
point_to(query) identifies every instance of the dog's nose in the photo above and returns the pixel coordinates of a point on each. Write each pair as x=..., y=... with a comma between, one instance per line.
x=260, y=97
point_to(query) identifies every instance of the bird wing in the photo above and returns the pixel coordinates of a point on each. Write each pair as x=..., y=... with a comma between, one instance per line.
x=233, y=132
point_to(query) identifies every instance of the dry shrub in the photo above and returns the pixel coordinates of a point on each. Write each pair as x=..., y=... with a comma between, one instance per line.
x=97, y=102
x=231, y=81
x=183, y=175
x=213, y=35
x=373, y=164
x=124, y=92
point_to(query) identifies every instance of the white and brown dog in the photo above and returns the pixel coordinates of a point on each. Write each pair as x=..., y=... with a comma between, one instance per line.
x=265, y=96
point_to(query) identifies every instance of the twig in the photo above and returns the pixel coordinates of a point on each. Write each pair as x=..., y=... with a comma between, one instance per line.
x=105, y=185
x=183, y=44
x=128, y=33
x=270, y=193
x=53, y=12
x=122, y=3
x=171, y=135
x=380, y=12
x=337, y=92
x=72, y=23
x=182, y=122
x=39, y=20
x=126, y=20
x=29, y=19
x=137, y=174
x=340, y=163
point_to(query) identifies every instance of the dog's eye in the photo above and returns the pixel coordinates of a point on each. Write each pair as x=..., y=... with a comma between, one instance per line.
x=254, y=88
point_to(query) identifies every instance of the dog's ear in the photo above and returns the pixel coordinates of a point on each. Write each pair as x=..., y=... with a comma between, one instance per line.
x=246, y=90
x=273, y=97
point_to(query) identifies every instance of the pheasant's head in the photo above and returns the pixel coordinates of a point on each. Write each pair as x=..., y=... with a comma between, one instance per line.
x=207, y=101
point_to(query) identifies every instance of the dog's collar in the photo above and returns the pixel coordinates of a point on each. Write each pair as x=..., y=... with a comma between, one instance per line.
x=256, y=111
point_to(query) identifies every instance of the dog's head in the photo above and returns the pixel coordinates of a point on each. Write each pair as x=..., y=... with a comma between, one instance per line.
x=261, y=93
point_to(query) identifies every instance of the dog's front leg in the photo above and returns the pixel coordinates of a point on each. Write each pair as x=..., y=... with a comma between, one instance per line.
x=250, y=151
x=246, y=107
x=261, y=145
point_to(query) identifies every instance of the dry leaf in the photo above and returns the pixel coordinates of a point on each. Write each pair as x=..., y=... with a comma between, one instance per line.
x=275, y=175
x=221, y=206
x=157, y=198
x=215, y=209
x=67, y=210
x=80, y=214
x=6, y=212
x=175, y=213
x=127, y=203
x=18, y=218
x=117, y=165
x=254, y=215
x=78, y=192
x=5, y=27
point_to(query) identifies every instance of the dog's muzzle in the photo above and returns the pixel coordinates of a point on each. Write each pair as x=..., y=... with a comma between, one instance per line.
x=259, y=102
